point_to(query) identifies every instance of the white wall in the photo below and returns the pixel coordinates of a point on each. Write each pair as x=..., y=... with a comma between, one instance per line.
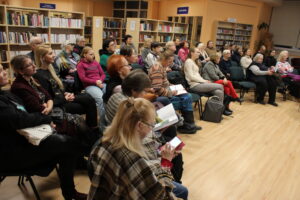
x=285, y=24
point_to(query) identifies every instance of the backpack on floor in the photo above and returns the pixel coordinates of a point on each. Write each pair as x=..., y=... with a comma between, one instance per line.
x=213, y=110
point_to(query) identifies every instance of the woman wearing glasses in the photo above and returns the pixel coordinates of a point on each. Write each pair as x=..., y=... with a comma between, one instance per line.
x=120, y=163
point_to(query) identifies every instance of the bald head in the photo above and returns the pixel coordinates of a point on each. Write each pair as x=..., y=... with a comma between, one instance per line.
x=35, y=41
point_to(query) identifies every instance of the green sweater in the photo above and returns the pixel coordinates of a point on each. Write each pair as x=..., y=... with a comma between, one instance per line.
x=103, y=63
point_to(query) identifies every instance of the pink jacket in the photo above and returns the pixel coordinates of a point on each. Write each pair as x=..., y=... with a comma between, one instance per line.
x=89, y=72
x=183, y=53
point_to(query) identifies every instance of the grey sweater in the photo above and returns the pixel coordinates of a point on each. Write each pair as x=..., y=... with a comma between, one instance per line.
x=212, y=72
x=255, y=70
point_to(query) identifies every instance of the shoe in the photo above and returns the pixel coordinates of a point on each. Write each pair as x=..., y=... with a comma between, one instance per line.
x=273, y=104
x=186, y=129
x=239, y=100
x=228, y=109
x=198, y=128
x=261, y=102
x=79, y=196
x=227, y=113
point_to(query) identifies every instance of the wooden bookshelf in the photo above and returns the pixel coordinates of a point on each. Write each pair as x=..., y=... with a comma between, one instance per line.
x=233, y=33
x=130, y=8
x=194, y=27
x=159, y=30
x=21, y=23
x=103, y=28
x=88, y=24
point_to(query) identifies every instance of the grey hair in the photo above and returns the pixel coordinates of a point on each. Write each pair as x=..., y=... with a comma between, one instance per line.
x=226, y=51
x=64, y=44
x=79, y=38
x=34, y=38
x=257, y=56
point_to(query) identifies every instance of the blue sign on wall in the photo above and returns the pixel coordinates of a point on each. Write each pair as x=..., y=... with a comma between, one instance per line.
x=47, y=5
x=182, y=10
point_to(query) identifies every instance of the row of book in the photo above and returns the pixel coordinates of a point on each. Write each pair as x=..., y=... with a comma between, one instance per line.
x=225, y=37
x=24, y=37
x=59, y=38
x=241, y=38
x=3, y=56
x=112, y=24
x=225, y=31
x=164, y=38
x=239, y=32
x=246, y=27
x=107, y=34
x=146, y=27
x=165, y=28
x=179, y=29
x=221, y=43
x=143, y=37
x=65, y=22
x=3, y=37
x=15, y=53
x=30, y=19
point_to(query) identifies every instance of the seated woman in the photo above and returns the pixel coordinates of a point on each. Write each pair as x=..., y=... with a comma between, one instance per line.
x=262, y=77
x=237, y=55
x=184, y=50
x=20, y=155
x=183, y=102
x=196, y=82
x=108, y=49
x=246, y=60
x=135, y=85
x=146, y=48
x=121, y=148
x=204, y=58
x=283, y=67
x=153, y=56
x=92, y=77
x=177, y=64
x=270, y=60
x=118, y=68
x=212, y=72
x=210, y=49
x=74, y=104
x=225, y=63
x=65, y=63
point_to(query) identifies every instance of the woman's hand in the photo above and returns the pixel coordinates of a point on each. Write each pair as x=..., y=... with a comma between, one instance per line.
x=167, y=152
x=225, y=81
x=72, y=70
x=53, y=125
x=69, y=96
x=46, y=110
x=99, y=84
x=174, y=93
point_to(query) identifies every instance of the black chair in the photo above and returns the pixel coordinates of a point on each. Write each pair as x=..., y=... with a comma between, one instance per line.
x=43, y=172
x=197, y=99
x=238, y=79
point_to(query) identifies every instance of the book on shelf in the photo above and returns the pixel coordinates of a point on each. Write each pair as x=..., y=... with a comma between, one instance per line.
x=226, y=31
x=30, y=19
x=225, y=37
x=112, y=24
x=59, y=38
x=3, y=56
x=179, y=88
x=107, y=34
x=165, y=28
x=146, y=27
x=164, y=38
x=88, y=22
x=179, y=29
x=3, y=37
x=15, y=53
x=65, y=22
x=143, y=37
x=166, y=116
x=24, y=37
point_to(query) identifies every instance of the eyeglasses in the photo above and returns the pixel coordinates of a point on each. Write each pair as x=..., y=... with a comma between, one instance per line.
x=150, y=125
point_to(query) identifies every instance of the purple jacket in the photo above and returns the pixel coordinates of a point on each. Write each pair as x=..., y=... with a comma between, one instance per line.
x=90, y=72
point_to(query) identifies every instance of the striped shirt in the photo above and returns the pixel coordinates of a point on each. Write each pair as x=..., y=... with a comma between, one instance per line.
x=159, y=81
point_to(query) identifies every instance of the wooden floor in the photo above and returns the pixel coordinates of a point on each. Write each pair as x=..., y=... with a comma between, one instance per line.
x=254, y=155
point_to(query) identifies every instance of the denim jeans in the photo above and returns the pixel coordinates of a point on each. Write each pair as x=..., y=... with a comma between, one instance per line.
x=182, y=102
x=97, y=94
x=180, y=191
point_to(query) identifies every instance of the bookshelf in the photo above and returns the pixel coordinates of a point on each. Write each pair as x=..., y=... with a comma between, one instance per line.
x=88, y=31
x=159, y=30
x=103, y=28
x=130, y=8
x=19, y=24
x=233, y=33
x=194, y=27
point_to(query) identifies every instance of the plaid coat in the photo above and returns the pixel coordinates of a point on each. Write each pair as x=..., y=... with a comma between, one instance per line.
x=122, y=174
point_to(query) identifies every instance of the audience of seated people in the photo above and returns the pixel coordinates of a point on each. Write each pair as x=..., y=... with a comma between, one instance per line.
x=108, y=49
x=262, y=77
x=80, y=44
x=49, y=80
x=65, y=63
x=120, y=97
x=262, y=50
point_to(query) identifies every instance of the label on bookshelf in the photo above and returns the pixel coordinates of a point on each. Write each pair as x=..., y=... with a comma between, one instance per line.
x=29, y=19
x=3, y=37
x=59, y=38
x=65, y=22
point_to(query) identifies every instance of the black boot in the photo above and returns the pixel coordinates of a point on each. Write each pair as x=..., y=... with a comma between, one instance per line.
x=189, y=125
x=226, y=102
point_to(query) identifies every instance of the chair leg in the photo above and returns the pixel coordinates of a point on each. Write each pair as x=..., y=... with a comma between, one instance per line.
x=33, y=188
x=19, y=180
x=200, y=108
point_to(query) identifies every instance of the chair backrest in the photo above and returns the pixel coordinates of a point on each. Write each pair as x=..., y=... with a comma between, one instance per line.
x=237, y=74
x=234, y=63
x=295, y=62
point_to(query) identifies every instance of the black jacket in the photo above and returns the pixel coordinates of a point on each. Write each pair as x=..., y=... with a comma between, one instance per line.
x=13, y=118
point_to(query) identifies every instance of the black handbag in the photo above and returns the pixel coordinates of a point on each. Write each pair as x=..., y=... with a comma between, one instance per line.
x=213, y=110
